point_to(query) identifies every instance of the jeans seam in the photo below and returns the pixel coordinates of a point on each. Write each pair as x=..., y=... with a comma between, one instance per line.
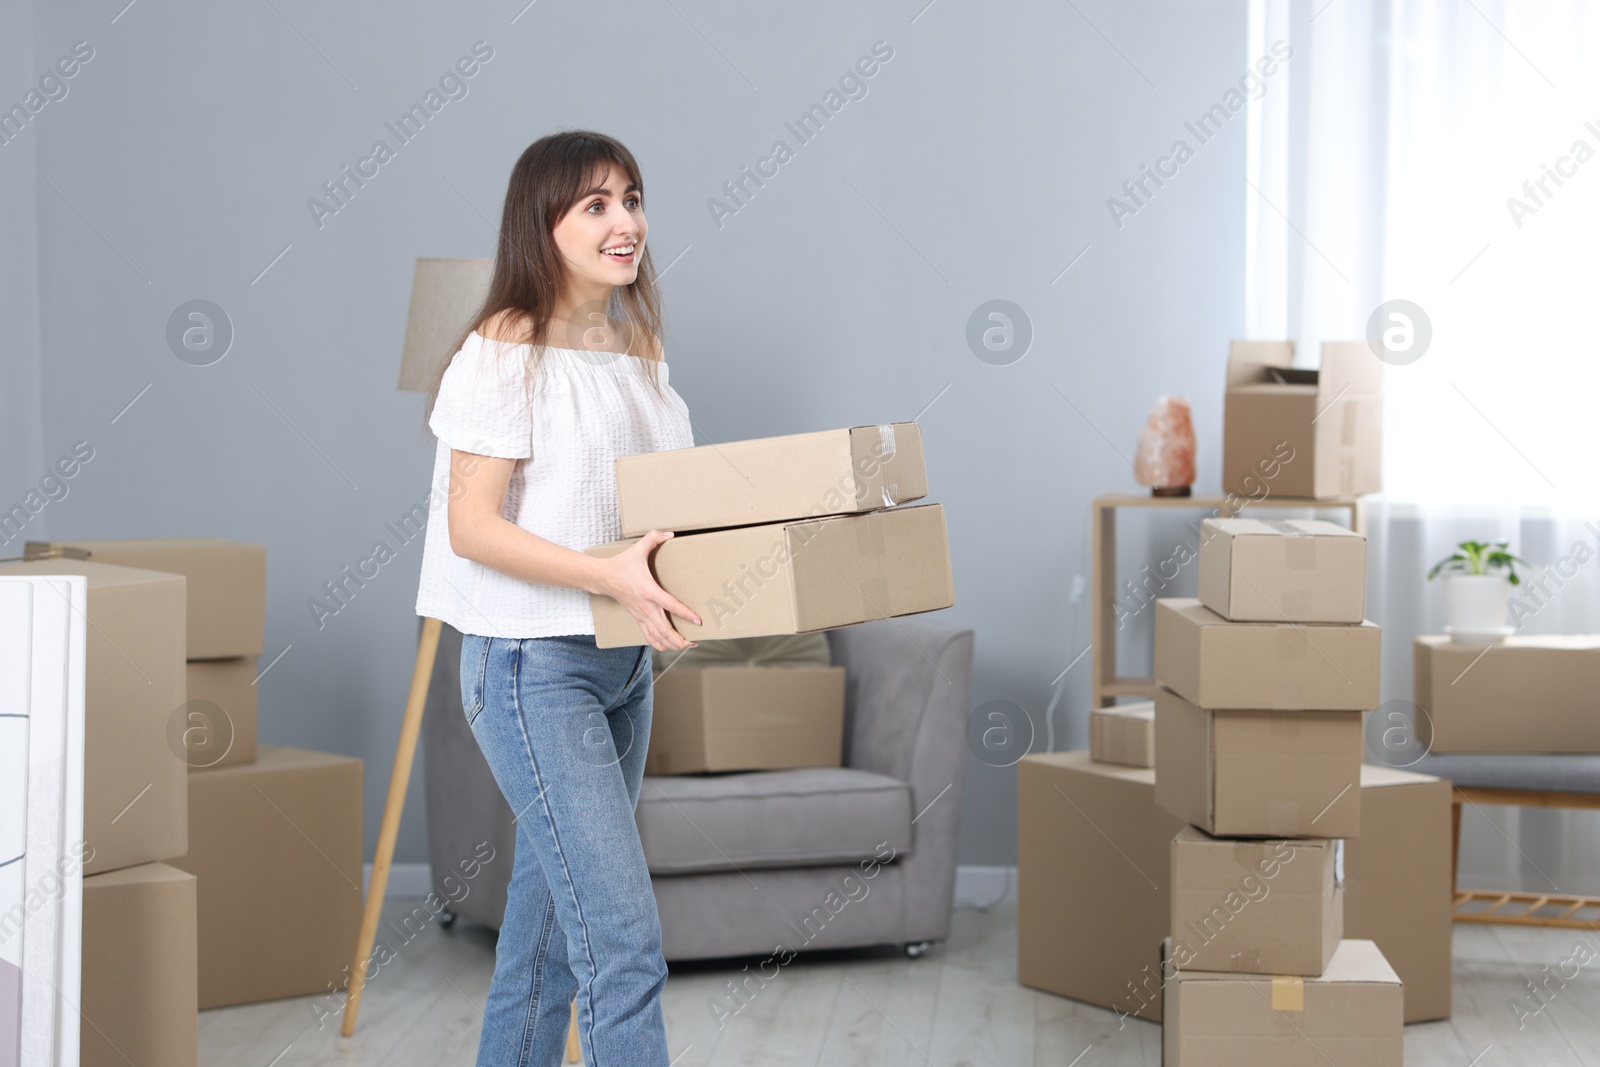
x=584, y=988
x=530, y=1024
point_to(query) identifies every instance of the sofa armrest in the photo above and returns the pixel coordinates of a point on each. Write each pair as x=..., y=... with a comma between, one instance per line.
x=908, y=698
x=906, y=680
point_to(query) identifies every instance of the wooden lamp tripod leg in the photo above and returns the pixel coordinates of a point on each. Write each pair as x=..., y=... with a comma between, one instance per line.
x=399, y=780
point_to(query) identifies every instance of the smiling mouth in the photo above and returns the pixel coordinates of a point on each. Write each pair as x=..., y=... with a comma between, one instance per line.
x=622, y=253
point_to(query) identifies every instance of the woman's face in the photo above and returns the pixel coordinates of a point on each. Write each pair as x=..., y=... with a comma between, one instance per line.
x=608, y=217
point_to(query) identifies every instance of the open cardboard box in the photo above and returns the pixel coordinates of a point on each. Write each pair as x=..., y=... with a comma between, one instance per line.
x=1322, y=427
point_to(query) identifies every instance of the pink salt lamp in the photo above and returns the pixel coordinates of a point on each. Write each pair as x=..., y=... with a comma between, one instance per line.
x=1164, y=458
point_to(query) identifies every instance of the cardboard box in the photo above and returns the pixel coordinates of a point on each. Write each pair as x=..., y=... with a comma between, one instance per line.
x=794, y=577
x=1093, y=852
x=1259, y=773
x=1215, y=663
x=1283, y=570
x=772, y=479
x=219, y=720
x=135, y=789
x=1397, y=883
x=1259, y=907
x=1349, y=1017
x=227, y=607
x=1526, y=694
x=139, y=968
x=1298, y=432
x=746, y=718
x=277, y=848
x=1125, y=734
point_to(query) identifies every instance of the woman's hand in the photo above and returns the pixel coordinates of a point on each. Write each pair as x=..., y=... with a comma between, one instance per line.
x=631, y=584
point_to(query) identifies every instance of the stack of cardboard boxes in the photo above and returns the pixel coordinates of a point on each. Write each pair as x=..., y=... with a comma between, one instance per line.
x=138, y=965
x=1261, y=685
x=262, y=843
x=784, y=535
x=1264, y=680
x=1092, y=841
x=779, y=535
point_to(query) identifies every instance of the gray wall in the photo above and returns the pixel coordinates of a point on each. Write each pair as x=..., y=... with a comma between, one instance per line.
x=976, y=167
x=21, y=434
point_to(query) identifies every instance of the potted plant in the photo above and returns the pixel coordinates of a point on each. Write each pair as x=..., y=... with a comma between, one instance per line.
x=1477, y=589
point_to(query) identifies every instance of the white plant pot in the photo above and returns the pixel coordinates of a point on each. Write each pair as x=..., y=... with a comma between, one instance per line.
x=1475, y=605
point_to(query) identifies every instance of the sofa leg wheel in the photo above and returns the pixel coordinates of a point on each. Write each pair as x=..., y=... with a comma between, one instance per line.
x=915, y=949
x=447, y=918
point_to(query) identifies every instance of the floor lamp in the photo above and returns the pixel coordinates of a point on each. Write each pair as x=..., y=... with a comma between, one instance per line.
x=445, y=293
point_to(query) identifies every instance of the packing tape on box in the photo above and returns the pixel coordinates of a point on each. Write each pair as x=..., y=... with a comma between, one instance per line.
x=875, y=597
x=885, y=441
x=1288, y=994
x=1247, y=855
x=1338, y=863
x=1297, y=603
x=1299, y=547
x=1300, y=552
x=1347, y=475
x=1283, y=817
x=1283, y=724
x=891, y=490
x=1247, y=961
x=1290, y=652
x=869, y=536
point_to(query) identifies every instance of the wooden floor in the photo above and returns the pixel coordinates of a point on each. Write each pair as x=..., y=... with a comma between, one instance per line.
x=959, y=1004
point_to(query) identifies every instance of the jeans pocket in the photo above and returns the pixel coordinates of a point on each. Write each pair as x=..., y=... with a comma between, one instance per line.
x=639, y=668
x=474, y=673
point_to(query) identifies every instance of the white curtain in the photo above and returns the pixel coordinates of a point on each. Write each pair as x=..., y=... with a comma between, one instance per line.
x=1449, y=155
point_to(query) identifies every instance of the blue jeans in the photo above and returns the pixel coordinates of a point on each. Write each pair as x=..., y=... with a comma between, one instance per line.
x=564, y=726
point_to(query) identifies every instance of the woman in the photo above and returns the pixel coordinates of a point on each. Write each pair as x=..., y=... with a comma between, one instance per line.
x=545, y=391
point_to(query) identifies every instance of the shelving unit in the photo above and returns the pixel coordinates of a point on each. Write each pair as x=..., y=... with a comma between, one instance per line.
x=1108, y=685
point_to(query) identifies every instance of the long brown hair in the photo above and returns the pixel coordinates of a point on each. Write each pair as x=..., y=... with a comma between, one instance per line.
x=551, y=176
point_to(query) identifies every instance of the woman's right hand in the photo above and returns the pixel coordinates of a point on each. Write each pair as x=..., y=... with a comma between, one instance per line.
x=632, y=585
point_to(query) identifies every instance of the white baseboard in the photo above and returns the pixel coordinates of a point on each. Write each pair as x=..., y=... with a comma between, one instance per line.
x=974, y=885
x=986, y=885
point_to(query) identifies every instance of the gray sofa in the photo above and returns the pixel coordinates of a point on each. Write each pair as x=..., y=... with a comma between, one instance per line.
x=744, y=862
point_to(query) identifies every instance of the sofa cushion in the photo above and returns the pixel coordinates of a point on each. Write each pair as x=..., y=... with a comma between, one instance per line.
x=802, y=817
x=777, y=650
x=1544, y=772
